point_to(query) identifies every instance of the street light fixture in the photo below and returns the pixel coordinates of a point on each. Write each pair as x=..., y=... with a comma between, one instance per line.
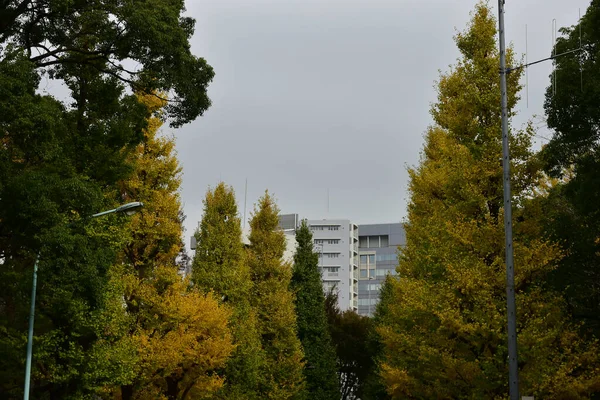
x=128, y=209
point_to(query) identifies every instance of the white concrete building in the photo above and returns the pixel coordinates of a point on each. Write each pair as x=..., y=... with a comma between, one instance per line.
x=336, y=241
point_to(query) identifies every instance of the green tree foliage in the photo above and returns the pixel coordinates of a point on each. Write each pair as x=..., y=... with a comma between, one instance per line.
x=573, y=153
x=319, y=353
x=44, y=187
x=445, y=332
x=170, y=338
x=61, y=162
x=220, y=266
x=274, y=302
x=352, y=338
x=86, y=43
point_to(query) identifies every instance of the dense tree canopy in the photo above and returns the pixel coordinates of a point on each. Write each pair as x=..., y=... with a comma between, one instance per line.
x=354, y=347
x=61, y=161
x=572, y=210
x=144, y=44
x=445, y=334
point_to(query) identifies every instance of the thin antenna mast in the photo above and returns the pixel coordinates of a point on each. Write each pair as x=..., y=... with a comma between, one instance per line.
x=553, y=57
x=581, y=48
x=526, y=69
x=245, y=201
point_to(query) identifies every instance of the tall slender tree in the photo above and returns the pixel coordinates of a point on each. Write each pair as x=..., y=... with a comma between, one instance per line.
x=176, y=335
x=445, y=332
x=573, y=153
x=156, y=180
x=319, y=353
x=274, y=302
x=220, y=266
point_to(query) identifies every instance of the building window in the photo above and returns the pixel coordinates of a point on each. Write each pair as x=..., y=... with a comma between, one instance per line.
x=363, y=273
x=363, y=259
x=333, y=241
x=332, y=255
x=334, y=228
x=316, y=228
x=363, y=241
x=371, y=259
x=365, y=302
x=329, y=286
x=373, y=242
x=318, y=241
x=386, y=257
x=371, y=273
x=384, y=240
x=329, y=272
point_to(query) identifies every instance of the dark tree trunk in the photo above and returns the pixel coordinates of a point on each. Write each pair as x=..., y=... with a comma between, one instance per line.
x=126, y=392
x=172, y=388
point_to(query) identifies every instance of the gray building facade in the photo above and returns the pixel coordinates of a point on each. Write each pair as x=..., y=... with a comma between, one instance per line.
x=377, y=248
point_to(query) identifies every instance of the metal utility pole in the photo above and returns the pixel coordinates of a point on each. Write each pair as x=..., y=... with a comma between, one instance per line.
x=513, y=369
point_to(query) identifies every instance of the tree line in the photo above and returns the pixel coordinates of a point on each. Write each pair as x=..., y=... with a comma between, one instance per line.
x=115, y=319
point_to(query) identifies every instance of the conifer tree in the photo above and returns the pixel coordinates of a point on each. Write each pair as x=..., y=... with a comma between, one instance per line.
x=274, y=302
x=171, y=337
x=156, y=179
x=220, y=266
x=320, y=367
x=445, y=332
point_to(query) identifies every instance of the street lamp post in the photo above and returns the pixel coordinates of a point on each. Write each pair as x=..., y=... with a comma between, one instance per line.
x=129, y=209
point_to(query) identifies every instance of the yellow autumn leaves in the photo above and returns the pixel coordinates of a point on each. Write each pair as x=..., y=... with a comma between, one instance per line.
x=444, y=331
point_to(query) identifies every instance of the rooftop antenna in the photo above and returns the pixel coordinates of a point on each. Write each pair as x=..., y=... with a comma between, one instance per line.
x=553, y=57
x=513, y=368
x=581, y=48
x=245, y=202
x=526, y=69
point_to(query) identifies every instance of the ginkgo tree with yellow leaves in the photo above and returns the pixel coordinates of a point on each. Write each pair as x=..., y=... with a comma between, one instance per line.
x=444, y=332
x=155, y=181
x=273, y=300
x=172, y=337
x=181, y=336
x=220, y=266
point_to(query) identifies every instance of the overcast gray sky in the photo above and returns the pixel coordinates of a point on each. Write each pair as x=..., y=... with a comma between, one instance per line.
x=311, y=96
